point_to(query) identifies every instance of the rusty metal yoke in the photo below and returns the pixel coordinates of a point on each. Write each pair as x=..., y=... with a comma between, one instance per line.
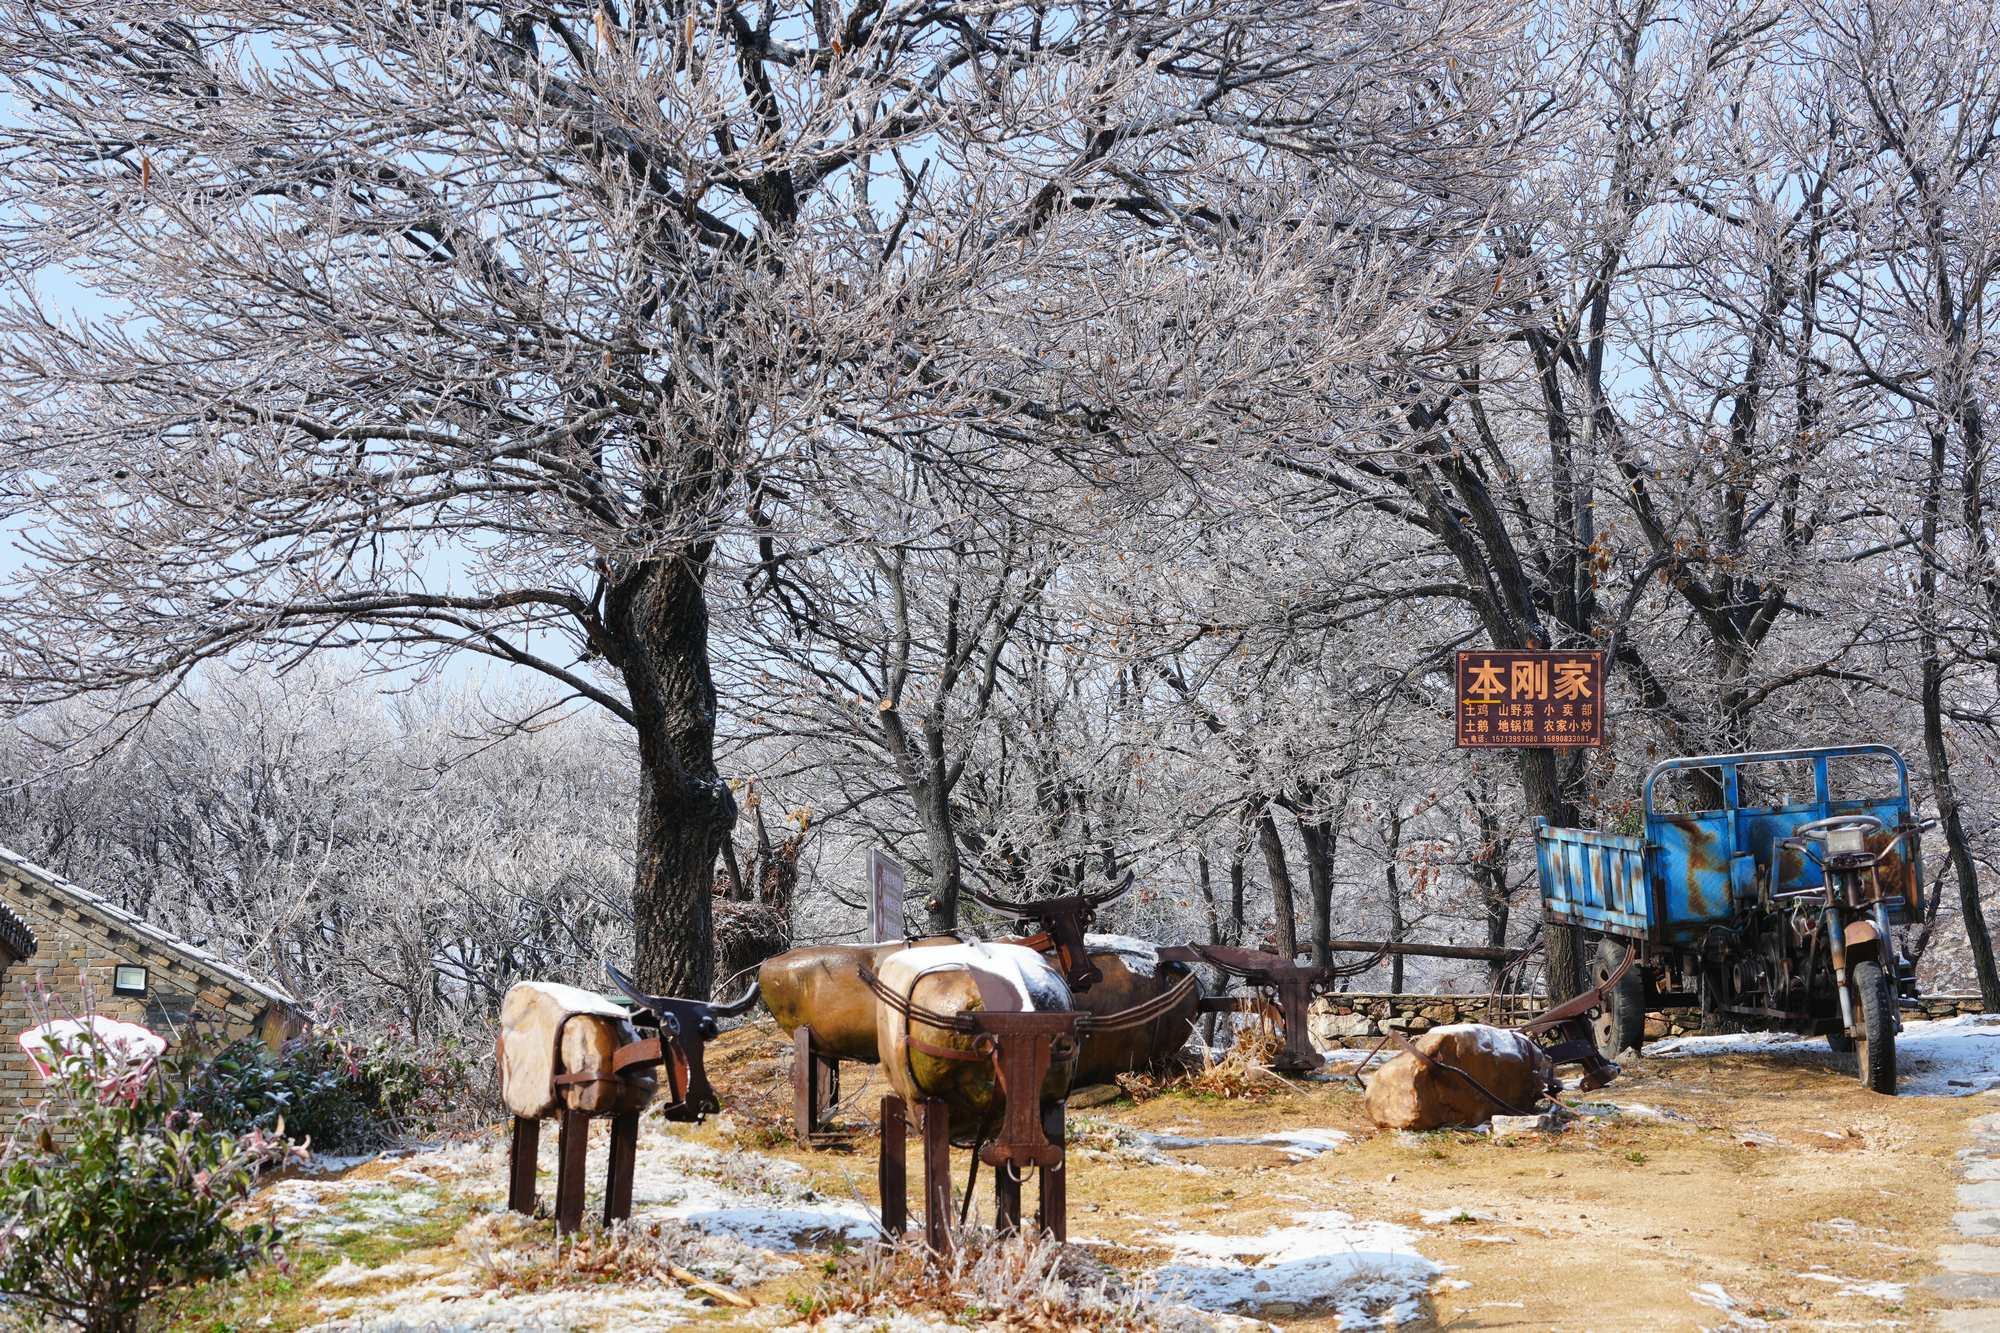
x=1294, y=985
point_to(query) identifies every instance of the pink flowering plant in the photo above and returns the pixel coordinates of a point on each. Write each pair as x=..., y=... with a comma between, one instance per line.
x=114, y=1193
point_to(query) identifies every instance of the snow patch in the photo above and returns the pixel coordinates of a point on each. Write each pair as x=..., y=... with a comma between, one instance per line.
x=1369, y=1273
x=1142, y=957
x=1021, y=980
x=1945, y=1057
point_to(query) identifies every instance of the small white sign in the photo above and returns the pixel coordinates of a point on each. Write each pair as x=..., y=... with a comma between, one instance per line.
x=885, y=897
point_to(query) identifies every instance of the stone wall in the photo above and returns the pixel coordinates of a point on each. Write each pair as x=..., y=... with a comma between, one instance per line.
x=1356, y=1020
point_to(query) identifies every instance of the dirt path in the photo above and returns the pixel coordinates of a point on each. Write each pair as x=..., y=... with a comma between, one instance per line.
x=1760, y=1186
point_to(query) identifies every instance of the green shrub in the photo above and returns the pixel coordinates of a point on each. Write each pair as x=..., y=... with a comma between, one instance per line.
x=311, y=1086
x=113, y=1192
x=416, y=1089
x=339, y=1094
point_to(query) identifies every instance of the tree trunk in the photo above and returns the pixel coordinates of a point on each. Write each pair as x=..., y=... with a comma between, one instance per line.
x=1542, y=793
x=1236, y=888
x=660, y=617
x=1284, y=926
x=1489, y=876
x=1942, y=786
x=1319, y=838
x=1396, y=925
x=1217, y=982
x=940, y=842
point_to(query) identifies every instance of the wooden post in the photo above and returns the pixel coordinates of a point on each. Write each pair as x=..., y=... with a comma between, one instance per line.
x=521, y=1165
x=893, y=1173
x=1052, y=1216
x=572, y=1144
x=618, y=1175
x=815, y=1086
x=937, y=1173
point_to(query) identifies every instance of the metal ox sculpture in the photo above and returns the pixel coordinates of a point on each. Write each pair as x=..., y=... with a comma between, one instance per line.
x=818, y=998
x=981, y=1040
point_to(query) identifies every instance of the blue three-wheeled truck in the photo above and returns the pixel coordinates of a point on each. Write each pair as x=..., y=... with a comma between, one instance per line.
x=1765, y=890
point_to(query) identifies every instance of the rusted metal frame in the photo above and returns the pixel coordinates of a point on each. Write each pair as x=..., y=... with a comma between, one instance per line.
x=1296, y=987
x=1023, y=1046
x=1479, y=952
x=1052, y=1208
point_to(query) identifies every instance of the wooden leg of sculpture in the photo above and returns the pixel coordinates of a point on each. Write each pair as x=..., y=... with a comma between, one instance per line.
x=1053, y=1219
x=521, y=1165
x=893, y=1173
x=815, y=1086
x=572, y=1141
x=937, y=1173
x=826, y=1088
x=618, y=1175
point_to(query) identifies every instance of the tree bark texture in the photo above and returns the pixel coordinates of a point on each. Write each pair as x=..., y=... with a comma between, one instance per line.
x=1320, y=838
x=1542, y=790
x=659, y=617
x=1284, y=925
x=1397, y=928
x=1935, y=749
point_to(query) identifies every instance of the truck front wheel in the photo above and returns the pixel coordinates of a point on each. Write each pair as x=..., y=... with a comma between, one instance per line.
x=1621, y=1020
x=1875, y=1049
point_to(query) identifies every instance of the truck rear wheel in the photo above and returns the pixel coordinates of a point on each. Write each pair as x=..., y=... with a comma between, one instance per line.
x=1621, y=1021
x=1875, y=1049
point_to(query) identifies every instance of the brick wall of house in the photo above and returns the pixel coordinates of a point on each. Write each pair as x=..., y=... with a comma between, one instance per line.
x=71, y=974
x=1356, y=1020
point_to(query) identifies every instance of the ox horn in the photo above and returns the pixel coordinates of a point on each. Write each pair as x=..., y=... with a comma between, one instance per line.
x=1000, y=905
x=660, y=1004
x=1112, y=894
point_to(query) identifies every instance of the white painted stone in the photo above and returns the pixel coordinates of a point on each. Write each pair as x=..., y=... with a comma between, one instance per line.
x=1985, y=1194
x=1969, y=1321
x=1969, y=1258
x=1977, y=1224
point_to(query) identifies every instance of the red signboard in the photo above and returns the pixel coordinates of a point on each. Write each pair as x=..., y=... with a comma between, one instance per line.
x=1510, y=698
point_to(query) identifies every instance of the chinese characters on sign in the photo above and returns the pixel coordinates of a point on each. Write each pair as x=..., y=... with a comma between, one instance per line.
x=1530, y=698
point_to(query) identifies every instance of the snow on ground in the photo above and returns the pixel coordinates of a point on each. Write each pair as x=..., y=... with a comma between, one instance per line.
x=1298, y=1144
x=1369, y=1273
x=1946, y=1057
x=452, y=1307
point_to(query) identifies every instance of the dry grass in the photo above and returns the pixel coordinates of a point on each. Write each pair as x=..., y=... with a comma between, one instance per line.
x=662, y=1254
x=1008, y=1284
x=1242, y=1074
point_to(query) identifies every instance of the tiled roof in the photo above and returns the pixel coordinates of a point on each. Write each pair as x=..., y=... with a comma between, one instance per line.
x=195, y=956
x=15, y=937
